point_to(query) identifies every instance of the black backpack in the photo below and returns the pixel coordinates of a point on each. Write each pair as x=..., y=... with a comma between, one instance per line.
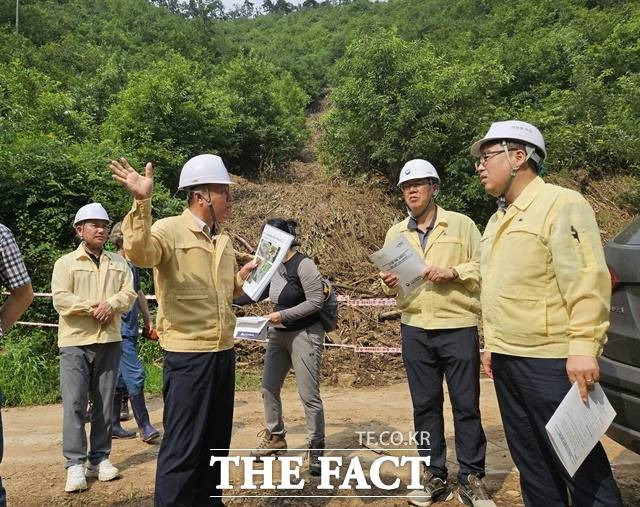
x=328, y=314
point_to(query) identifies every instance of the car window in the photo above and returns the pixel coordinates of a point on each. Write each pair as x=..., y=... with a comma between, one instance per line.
x=630, y=235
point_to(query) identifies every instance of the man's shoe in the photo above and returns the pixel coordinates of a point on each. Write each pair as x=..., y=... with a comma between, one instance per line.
x=474, y=493
x=316, y=450
x=104, y=471
x=76, y=480
x=435, y=490
x=271, y=445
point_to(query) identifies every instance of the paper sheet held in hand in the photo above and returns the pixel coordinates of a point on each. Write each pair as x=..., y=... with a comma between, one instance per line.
x=576, y=427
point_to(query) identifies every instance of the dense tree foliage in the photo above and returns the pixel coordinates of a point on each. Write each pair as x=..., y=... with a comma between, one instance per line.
x=162, y=80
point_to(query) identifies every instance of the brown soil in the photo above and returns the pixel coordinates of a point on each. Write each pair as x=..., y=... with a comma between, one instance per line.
x=33, y=471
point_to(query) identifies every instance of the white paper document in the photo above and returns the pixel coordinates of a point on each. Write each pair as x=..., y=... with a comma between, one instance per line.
x=576, y=427
x=401, y=259
x=251, y=328
x=272, y=248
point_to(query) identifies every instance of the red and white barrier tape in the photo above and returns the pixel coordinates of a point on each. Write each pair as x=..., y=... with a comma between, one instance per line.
x=356, y=349
x=341, y=298
x=379, y=350
x=348, y=300
x=366, y=301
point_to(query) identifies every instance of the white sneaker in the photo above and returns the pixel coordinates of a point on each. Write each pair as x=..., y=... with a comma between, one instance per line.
x=104, y=471
x=76, y=480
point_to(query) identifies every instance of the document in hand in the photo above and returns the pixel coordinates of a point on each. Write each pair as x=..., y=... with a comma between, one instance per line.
x=401, y=259
x=252, y=328
x=576, y=427
x=272, y=248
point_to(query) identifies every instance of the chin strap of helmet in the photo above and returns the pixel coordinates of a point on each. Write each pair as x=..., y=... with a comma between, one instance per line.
x=530, y=150
x=214, y=223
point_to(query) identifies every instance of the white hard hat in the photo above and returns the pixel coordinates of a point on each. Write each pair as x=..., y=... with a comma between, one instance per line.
x=92, y=211
x=513, y=130
x=417, y=169
x=202, y=170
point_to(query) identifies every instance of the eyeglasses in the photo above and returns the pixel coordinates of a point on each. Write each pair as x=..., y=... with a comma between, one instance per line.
x=414, y=184
x=98, y=225
x=482, y=159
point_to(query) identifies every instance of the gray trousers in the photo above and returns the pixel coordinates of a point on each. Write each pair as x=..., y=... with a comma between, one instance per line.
x=302, y=350
x=88, y=371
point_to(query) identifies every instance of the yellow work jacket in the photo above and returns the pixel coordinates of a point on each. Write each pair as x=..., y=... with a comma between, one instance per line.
x=453, y=243
x=77, y=284
x=546, y=289
x=195, y=278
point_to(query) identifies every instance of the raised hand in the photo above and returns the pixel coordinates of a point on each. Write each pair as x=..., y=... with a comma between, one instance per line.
x=140, y=187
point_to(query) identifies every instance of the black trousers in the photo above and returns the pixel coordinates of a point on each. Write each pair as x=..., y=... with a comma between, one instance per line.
x=198, y=391
x=429, y=356
x=529, y=391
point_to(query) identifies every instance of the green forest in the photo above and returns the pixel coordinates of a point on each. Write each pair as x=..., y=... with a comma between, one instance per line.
x=82, y=82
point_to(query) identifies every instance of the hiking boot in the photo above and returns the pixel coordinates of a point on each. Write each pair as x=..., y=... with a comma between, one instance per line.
x=124, y=408
x=271, y=445
x=474, y=493
x=435, y=490
x=147, y=432
x=117, y=431
x=76, y=480
x=104, y=471
x=316, y=450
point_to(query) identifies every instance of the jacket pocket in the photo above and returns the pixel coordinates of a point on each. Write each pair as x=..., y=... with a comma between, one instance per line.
x=522, y=315
x=194, y=313
x=446, y=251
x=115, y=277
x=195, y=259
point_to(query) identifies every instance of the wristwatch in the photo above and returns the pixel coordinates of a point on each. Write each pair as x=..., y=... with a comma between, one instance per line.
x=455, y=274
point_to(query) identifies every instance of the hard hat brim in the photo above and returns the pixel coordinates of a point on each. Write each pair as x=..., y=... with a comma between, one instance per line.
x=185, y=187
x=475, y=147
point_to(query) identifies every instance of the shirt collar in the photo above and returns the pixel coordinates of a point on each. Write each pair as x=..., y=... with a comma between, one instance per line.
x=438, y=218
x=201, y=224
x=529, y=193
x=81, y=252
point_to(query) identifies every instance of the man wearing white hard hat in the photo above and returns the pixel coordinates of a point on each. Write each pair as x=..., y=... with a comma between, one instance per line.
x=91, y=289
x=545, y=305
x=196, y=277
x=439, y=336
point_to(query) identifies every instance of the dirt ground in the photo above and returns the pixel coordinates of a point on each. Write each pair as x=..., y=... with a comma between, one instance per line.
x=33, y=471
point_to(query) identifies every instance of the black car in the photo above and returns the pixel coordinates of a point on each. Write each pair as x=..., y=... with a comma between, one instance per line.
x=620, y=362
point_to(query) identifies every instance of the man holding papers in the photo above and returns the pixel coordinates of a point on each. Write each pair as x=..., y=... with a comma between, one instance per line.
x=196, y=277
x=439, y=334
x=545, y=304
